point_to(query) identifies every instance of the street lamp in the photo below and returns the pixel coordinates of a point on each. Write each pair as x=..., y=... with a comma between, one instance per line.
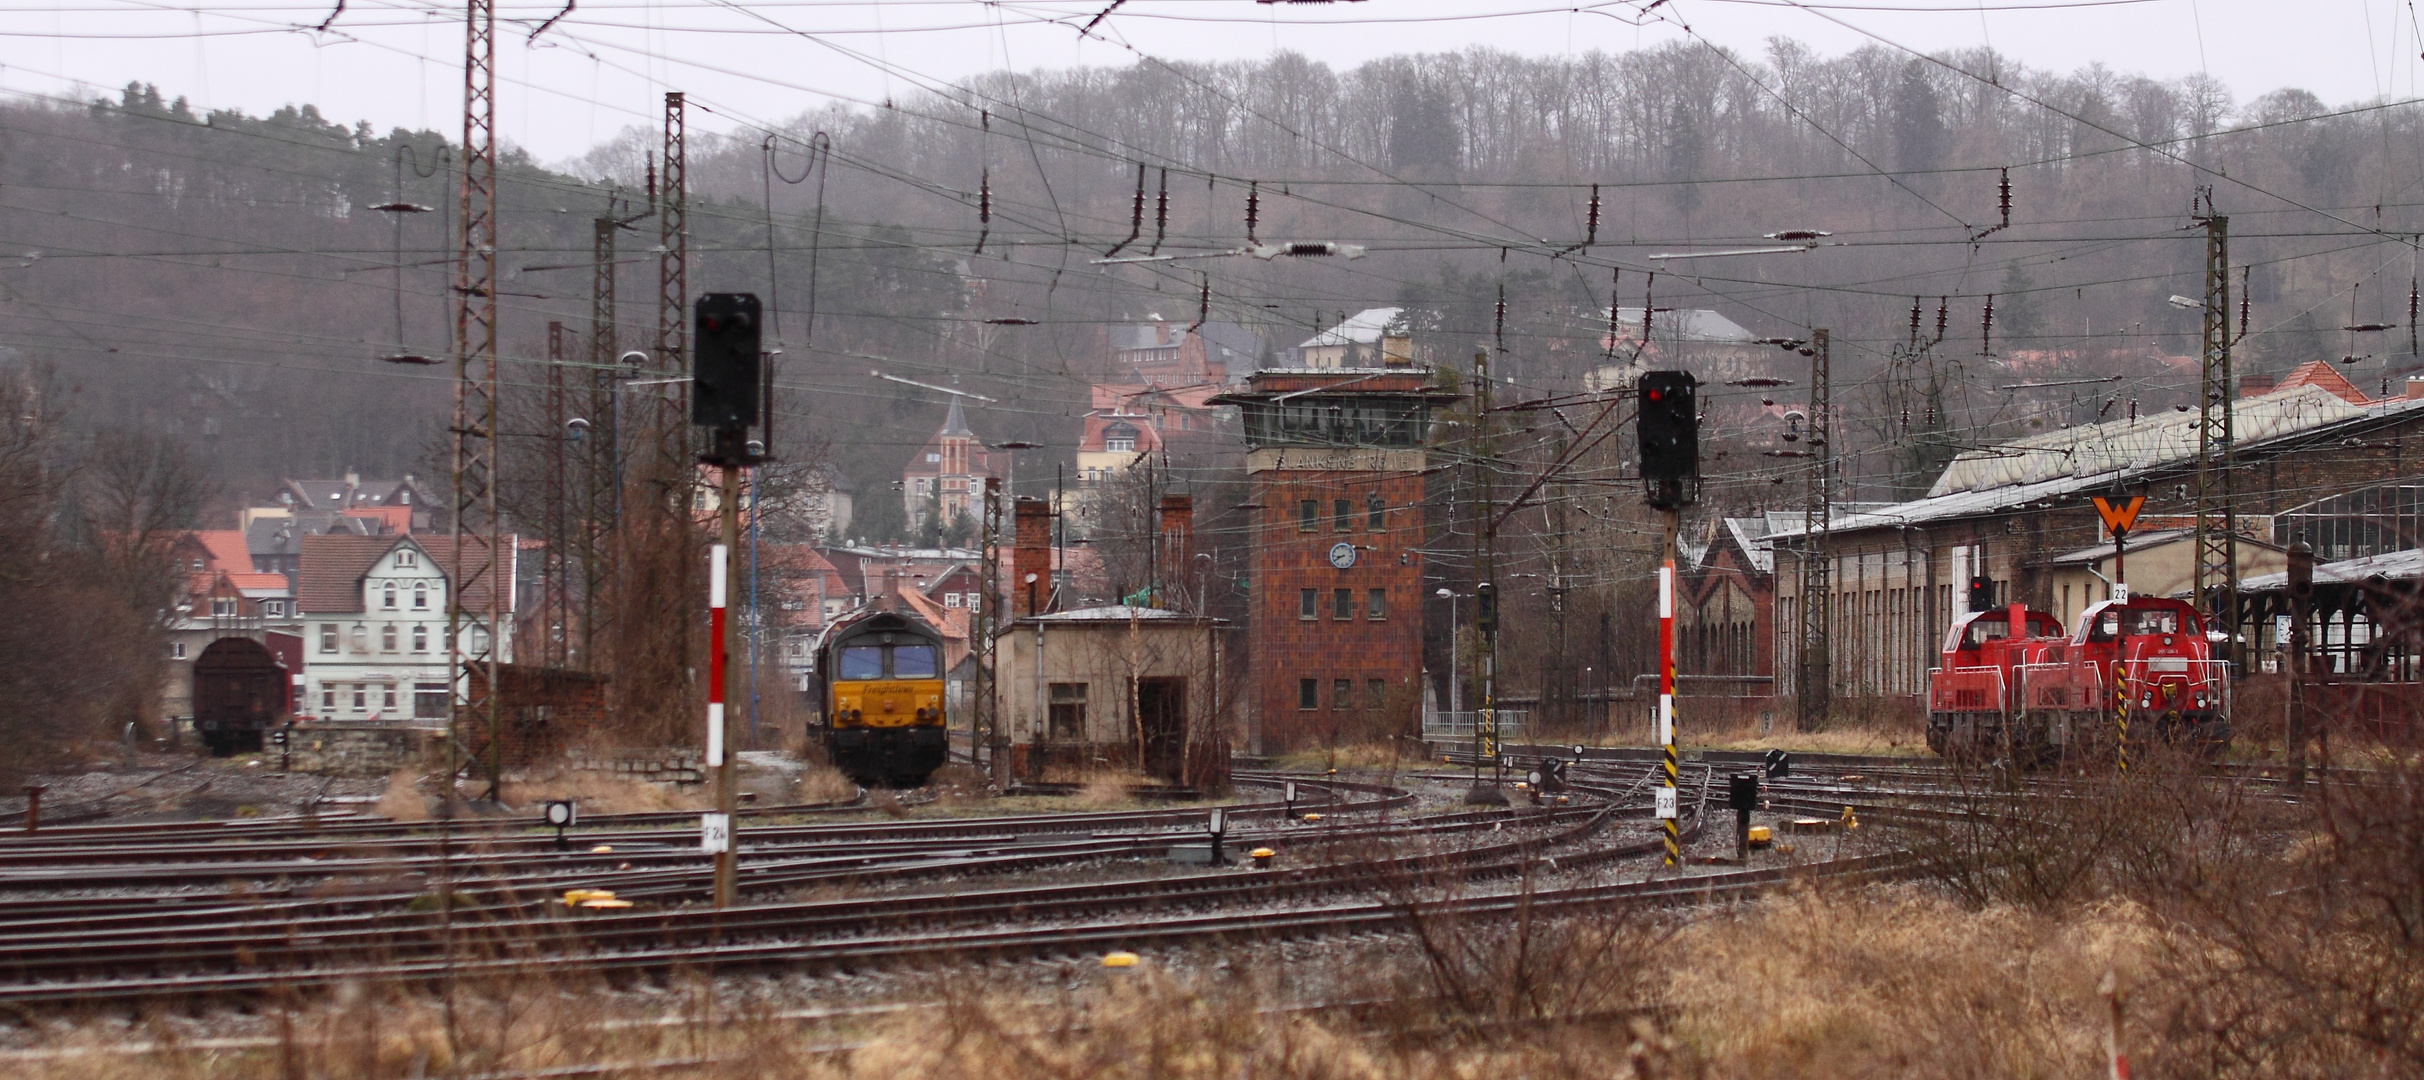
x=1455, y=675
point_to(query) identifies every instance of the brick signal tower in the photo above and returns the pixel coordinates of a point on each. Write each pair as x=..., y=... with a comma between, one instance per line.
x=1335, y=461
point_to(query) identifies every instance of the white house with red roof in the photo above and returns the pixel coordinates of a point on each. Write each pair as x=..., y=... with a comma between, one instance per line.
x=374, y=612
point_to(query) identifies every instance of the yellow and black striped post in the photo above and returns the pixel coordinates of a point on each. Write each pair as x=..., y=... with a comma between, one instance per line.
x=2121, y=714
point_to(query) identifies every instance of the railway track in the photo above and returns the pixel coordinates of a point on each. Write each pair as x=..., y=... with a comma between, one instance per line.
x=136, y=954
x=927, y=946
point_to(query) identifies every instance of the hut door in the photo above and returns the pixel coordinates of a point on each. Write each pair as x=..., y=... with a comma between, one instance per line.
x=1161, y=713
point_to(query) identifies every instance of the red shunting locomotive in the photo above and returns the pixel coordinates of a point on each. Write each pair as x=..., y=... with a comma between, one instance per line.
x=2141, y=669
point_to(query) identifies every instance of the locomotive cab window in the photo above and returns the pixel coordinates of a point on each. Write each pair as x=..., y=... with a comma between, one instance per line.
x=913, y=662
x=2113, y=624
x=863, y=662
x=858, y=662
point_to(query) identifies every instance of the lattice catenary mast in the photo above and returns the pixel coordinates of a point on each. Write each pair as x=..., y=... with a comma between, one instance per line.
x=472, y=631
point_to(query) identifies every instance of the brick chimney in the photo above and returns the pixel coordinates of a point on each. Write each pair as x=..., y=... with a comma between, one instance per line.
x=1030, y=557
x=1177, y=540
x=2415, y=386
x=890, y=598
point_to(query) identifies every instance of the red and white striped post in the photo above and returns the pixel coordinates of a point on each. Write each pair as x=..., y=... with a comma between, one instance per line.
x=715, y=826
x=1668, y=809
x=718, y=579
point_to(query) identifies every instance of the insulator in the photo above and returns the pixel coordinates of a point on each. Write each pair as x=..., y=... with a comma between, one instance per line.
x=1161, y=213
x=1615, y=297
x=1649, y=307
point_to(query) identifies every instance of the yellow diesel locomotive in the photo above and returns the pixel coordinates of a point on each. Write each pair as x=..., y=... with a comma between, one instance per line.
x=881, y=674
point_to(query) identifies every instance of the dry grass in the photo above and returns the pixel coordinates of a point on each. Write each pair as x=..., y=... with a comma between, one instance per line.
x=1889, y=740
x=1901, y=983
x=1378, y=755
x=1107, y=788
x=606, y=793
x=404, y=800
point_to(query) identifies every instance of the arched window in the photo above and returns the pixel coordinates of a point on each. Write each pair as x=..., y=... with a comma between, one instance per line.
x=420, y=596
x=361, y=638
x=420, y=637
x=388, y=596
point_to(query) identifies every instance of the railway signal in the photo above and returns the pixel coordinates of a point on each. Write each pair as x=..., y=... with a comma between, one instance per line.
x=562, y=813
x=1670, y=476
x=1670, y=438
x=725, y=375
x=727, y=394
x=1742, y=796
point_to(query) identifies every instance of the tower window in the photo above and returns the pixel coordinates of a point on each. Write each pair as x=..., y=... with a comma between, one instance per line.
x=1342, y=603
x=1376, y=604
x=1342, y=693
x=1375, y=511
x=1341, y=513
x=1308, y=514
x=1308, y=603
x=1308, y=693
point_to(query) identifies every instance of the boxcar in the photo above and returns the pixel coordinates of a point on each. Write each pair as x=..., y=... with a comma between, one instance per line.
x=240, y=691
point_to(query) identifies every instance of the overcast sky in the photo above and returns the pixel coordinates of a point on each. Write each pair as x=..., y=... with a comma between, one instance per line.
x=604, y=66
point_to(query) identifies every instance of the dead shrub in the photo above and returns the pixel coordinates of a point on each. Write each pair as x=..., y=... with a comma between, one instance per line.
x=2068, y=840
x=1534, y=967
x=819, y=783
x=2305, y=957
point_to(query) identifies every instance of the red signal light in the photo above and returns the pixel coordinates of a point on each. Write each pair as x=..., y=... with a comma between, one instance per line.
x=1656, y=395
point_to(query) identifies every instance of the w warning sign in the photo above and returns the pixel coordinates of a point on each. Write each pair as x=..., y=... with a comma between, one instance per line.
x=2119, y=512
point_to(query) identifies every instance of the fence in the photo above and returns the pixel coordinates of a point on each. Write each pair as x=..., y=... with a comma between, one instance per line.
x=1461, y=725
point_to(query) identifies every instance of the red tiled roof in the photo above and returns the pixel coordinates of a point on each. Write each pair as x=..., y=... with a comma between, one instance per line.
x=334, y=564
x=396, y=518
x=249, y=580
x=952, y=622
x=2321, y=374
x=226, y=549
